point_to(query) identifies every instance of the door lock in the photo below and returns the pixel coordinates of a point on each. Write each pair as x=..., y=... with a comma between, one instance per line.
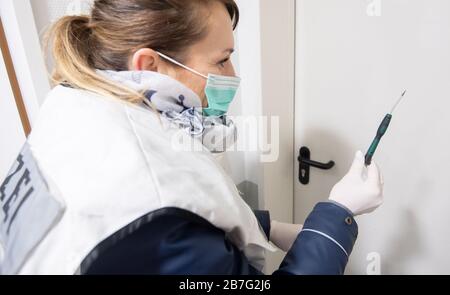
x=305, y=162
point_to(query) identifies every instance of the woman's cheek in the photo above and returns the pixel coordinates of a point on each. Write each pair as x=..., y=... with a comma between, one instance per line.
x=198, y=86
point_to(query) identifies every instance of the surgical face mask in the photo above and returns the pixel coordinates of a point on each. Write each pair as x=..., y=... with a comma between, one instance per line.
x=220, y=90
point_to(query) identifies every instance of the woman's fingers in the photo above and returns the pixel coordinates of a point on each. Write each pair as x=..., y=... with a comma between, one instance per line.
x=358, y=164
x=375, y=179
x=373, y=174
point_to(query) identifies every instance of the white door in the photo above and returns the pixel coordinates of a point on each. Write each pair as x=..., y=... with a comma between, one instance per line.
x=354, y=58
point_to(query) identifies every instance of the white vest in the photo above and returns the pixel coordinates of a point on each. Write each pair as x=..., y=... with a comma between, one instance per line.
x=106, y=163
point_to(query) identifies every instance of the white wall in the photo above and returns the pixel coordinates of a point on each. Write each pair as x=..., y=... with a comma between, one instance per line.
x=12, y=136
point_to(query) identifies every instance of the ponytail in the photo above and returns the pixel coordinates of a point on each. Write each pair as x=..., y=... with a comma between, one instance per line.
x=70, y=38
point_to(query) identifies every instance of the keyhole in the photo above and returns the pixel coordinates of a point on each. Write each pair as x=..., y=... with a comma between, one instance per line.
x=303, y=173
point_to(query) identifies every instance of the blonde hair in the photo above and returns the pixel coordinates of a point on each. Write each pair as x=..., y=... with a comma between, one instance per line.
x=115, y=29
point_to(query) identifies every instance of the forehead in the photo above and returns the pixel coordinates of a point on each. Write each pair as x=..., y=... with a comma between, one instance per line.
x=220, y=30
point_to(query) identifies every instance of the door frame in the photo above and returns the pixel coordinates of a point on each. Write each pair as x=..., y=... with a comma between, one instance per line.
x=267, y=56
x=26, y=54
x=12, y=77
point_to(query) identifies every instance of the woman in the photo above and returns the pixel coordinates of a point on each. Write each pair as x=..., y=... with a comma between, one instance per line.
x=101, y=188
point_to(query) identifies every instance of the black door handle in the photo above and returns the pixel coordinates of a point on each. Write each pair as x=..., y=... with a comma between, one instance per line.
x=305, y=162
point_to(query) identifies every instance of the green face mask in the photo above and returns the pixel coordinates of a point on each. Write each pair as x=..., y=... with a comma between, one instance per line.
x=220, y=90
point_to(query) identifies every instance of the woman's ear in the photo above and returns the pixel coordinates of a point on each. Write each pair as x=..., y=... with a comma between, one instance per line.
x=146, y=59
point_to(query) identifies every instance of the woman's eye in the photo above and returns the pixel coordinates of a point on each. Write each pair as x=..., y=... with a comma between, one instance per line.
x=223, y=62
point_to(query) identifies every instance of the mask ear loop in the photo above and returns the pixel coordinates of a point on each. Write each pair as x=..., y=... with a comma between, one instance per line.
x=181, y=65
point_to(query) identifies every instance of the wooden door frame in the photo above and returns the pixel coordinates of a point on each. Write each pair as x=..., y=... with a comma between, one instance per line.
x=25, y=52
x=6, y=54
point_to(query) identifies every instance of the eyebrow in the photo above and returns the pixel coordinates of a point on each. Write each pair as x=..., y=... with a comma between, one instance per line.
x=229, y=50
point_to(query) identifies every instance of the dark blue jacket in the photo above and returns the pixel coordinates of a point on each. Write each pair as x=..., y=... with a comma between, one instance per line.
x=175, y=241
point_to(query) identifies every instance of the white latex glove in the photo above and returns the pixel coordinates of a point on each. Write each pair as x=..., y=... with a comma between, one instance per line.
x=283, y=235
x=361, y=190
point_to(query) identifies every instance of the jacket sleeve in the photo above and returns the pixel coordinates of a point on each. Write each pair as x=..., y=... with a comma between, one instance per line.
x=324, y=244
x=178, y=242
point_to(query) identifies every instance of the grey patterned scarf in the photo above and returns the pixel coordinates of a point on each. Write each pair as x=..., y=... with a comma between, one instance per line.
x=178, y=104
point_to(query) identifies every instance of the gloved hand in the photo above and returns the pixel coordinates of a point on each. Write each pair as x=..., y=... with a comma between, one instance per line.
x=283, y=235
x=361, y=190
